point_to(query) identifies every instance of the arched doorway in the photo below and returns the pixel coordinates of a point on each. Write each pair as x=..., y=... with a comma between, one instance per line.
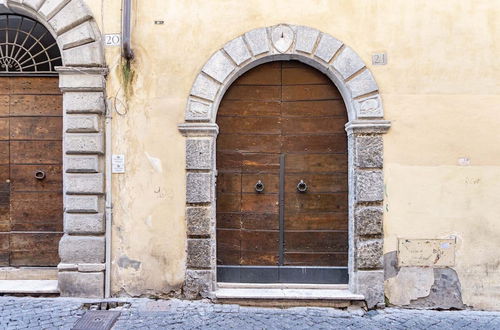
x=282, y=184
x=31, y=121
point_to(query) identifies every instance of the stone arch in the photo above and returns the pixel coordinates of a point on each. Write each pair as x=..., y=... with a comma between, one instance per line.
x=82, y=81
x=364, y=129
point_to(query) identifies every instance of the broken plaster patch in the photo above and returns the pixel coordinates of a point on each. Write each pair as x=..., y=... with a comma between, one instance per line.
x=391, y=267
x=125, y=262
x=409, y=284
x=155, y=162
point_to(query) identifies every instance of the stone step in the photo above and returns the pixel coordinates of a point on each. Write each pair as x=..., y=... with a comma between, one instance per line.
x=23, y=287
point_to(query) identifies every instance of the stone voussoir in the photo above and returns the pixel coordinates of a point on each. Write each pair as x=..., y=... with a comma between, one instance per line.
x=327, y=47
x=71, y=15
x=77, y=36
x=237, y=50
x=306, y=39
x=348, y=63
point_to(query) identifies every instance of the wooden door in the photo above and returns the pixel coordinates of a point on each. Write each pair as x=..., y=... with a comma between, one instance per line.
x=281, y=123
x=31, y=206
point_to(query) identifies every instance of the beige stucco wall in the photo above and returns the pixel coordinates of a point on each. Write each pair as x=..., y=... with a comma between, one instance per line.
x=441, y=90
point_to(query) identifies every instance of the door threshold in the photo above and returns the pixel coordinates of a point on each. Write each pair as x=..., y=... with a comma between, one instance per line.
x=24, y=287
x=299, y=292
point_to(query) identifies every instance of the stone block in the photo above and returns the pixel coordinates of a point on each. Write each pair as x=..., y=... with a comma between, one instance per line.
x=371, y=285
x=198, y=110
x=199, y=188
x=198, y=221
x=82, y=204
x=83, y=82
x=327, y=47
x=369, y=254
x=89, y=223
x=197, y=284
x=52, y=7
x=89, y=183
x=198, y=253
x=90, y=268
x=369, y=220
x=237, y=50
x=90, y=54
x=77, y=36
x=71, y=15
x=33, y=4
x=205, y=87
x=81, y=249
x=258, y=41
x=83, y=102
x=82, y=123
x=362, y=84
x=369, y=186
x=348, y=63
x=219, y=67
x=306, y=39
x=199, y=154
x=81, y=164
x=82, y=285
x=91, y=143
x=369, y=152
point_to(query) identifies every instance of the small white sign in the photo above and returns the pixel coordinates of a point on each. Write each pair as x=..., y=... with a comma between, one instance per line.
x=379, y=59
x=118, y=164
x=111, y=40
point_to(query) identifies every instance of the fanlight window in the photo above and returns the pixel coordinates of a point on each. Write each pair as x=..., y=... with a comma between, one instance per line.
x=26, y=46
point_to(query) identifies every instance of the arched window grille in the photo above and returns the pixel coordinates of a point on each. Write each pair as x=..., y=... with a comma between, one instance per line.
x=26, y=46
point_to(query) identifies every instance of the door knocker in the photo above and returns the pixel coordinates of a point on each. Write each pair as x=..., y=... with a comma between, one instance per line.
x=39, y=175
x=259, y=186
x=302, y=186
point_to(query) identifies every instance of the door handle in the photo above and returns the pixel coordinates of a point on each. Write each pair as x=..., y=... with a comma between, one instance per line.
x=259, y=186
x=302, y=186
x=39, y=175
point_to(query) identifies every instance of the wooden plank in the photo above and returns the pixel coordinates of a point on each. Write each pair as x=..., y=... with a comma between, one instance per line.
x=4, y=129
x=315, y=241
x=4, y=249
x=316, y=259
x=249, y=125
x=310, y=93
x=36, y=128
x=315, y=108
x=249, y=143
x=316, y=221
x=259, y=203
x=308, y=202
x=264, y=74
x=228, y=220
x=28, y=249
x=23, y=178
x=228, y=182
x=253, y=93
x=270, y=181
x=317, y=125
x=36, y=105
x=249, y=108
x=4, y=153
x=317, y=183
x=228, y=202
x=256, y=240
x=4, y=103
x=303, y=75
x=228, y=247
x=36, y=152
x=260, y=221
x=316, y=163
x=315, y=143
x=259, y=258
x=5, y=223
x=34, y=85
x=228, y=160
x=260, y=162
x=37, y=211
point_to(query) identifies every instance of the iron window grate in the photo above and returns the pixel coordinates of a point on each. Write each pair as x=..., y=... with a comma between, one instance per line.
x=26, y=46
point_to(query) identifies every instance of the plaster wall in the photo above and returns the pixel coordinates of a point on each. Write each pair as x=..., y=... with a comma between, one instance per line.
x=440, y=89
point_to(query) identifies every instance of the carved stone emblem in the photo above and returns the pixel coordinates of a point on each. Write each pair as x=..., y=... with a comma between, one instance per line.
x=369, y=107
x=282, y=37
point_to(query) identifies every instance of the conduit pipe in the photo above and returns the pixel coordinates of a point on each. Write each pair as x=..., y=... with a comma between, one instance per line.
x=126, y=30
x=109, y=201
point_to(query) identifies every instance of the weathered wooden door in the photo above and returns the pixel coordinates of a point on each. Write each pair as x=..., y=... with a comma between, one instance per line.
x=31, y=207
x=282, y=178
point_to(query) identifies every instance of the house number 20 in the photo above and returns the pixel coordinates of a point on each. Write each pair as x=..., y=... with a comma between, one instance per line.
x=112, y=39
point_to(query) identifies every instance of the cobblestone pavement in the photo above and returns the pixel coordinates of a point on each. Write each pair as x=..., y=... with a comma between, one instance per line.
x=62, y=313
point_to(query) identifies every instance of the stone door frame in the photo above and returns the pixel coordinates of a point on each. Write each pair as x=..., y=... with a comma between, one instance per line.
x=82, y=81
x=365, y=130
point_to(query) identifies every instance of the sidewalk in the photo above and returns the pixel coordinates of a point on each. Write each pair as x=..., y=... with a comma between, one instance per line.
x=63, y=313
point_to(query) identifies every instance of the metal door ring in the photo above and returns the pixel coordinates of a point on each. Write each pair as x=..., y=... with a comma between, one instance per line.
x=259, y=186
x=302, y=186
x=39, y=175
